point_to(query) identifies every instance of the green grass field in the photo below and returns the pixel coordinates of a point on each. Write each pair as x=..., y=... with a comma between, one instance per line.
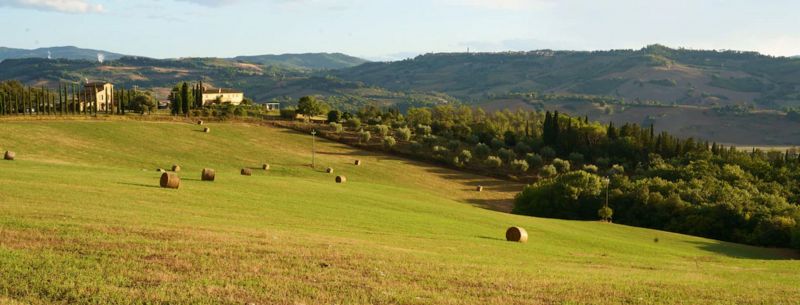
x=82, y=221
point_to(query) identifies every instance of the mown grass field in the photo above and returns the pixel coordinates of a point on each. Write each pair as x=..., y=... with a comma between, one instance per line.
x=82, y=221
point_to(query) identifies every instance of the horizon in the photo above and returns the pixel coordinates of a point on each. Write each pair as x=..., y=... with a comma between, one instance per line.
x=382, y=30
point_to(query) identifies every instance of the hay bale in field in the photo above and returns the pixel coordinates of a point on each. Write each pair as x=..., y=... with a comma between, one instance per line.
x=479, y=188
x=246, y=172
x=176, y=168
x=341, y=179
x=516, y=234
x=200, y=122
x=329, y=170
x=10, y=155
x=206, y=130
x=358, y=162
x=208, y=174
x=170, y=180
x=265, y=167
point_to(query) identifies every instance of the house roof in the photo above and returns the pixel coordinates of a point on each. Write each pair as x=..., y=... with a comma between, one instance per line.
x=220, y=90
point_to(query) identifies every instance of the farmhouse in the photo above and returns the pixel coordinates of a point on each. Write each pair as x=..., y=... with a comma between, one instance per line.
x=221, y=96
x=101, y=93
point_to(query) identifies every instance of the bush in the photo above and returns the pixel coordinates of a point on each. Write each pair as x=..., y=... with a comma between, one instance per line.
x=364, y=136
x=354, y=123
x=576, y=158
x=465, y=156
x=519, y=166
x=548, y=171
x=534, y=160
x=382, y=130
x=336, y=127
x=389, y=142
x=493, y=162
x=482, y=151
x=403, y=133
x=334, y=116
x=589, y=168
x=423, y=130
x=616, y=169
x=288, y=113
x=497, y=143
x=547, y=153
x=605, y=213
x=506, y=154
x=562, y=166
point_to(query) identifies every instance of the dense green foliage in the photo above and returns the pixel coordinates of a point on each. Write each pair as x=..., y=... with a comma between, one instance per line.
x=656, y=180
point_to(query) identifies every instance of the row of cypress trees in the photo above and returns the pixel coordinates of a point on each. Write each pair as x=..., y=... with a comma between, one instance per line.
x=67, y=99
x=185, y=99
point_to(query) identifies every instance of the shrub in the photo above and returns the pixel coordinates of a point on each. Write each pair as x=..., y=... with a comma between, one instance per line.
x=616, y=169
x=336, y=127
x=547, y=153
x=423, y=130
x=603, y=162
x=493, y=162
x=287, y=113
x=482, y=151
x=364, y=136
x=534, y=160
x=562, y=166
x=465, y=156
x=589, y=168
x=389, y=142
x=382, y=130
x=354, y=123
x=334, y=116
x=453, y=145
x=522, y=148
x=605, y=213
x=576, y=158
x=506, y=154
x=403, y=133
x=519, y=166
x=497, y=143
x=548, y=171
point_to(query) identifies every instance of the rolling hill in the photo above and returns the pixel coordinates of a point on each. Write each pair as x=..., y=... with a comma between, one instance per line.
x=314, y=61
x=654, y=73
x=68, y=52
x=83, y=221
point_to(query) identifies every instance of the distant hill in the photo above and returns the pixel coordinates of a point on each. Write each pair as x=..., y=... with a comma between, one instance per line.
x=314, y=61
x=68, y=52
x=657, y=73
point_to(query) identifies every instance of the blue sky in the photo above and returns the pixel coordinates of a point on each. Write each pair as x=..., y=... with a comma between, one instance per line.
x=378, y=29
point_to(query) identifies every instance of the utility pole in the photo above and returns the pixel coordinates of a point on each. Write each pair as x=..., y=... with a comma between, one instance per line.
x=313, y=147
x=607, y=181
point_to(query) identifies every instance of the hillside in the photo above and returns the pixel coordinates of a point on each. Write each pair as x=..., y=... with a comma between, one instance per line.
x=686, y=77
x=68, y=52
x=82, y=220
x=314, y=61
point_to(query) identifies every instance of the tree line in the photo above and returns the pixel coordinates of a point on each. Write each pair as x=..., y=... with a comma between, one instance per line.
x=653, y=179
x=70, y=99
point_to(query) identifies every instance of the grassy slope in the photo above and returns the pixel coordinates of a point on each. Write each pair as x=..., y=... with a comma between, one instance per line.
x=82, y=221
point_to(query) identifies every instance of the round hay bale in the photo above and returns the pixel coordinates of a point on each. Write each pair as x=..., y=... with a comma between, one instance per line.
x=247, y=172
x=341, y=179
x=479, y=188
x=206, y=130
x=10, y=155
x=170, y=180
x=358, y=162
x=265, y=167
x=329, y=170
x=176, y=168
x=200, y=122
x=516, y=234
x=208, y=174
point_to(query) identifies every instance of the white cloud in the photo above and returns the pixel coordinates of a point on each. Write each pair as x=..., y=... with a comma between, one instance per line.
x=499, y=4
x=64, y=6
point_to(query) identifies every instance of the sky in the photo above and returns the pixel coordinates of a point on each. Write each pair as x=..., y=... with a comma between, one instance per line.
x=396, y=29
